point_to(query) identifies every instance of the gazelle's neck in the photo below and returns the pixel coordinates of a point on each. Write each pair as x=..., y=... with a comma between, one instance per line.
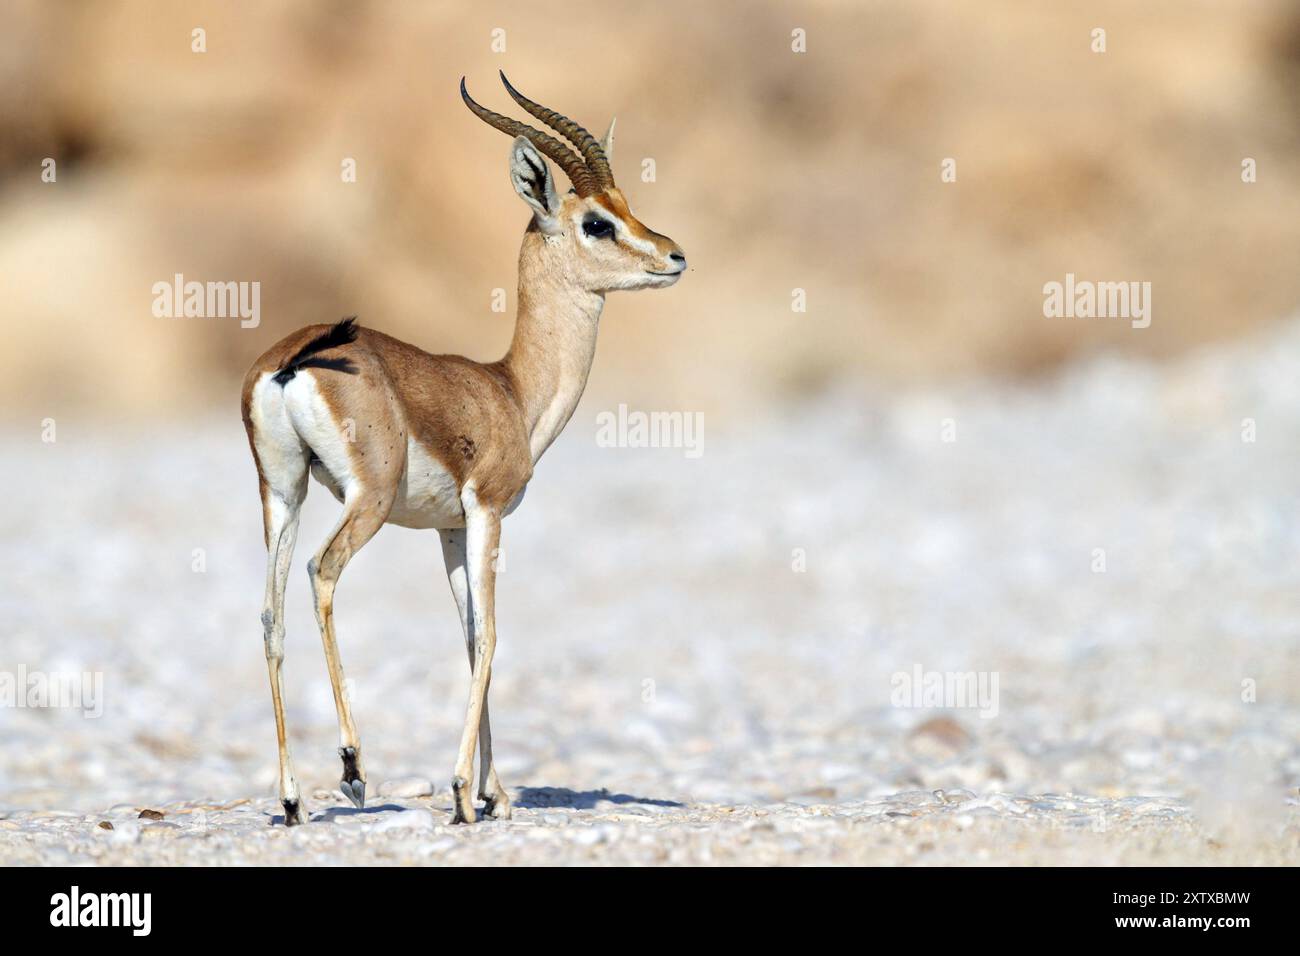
x=554, y=342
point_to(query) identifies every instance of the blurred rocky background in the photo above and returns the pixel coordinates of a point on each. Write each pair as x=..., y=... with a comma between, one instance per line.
x=775, y=170
x=698, y=653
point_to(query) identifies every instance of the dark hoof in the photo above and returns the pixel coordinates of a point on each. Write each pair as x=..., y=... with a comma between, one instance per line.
x=352, y=785
x=294, y=813
x=354, y=791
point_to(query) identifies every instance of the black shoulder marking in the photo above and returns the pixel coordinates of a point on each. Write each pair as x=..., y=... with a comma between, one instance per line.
x=341, y=333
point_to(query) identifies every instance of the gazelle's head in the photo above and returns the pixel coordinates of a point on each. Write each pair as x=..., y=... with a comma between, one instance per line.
x=604, y=247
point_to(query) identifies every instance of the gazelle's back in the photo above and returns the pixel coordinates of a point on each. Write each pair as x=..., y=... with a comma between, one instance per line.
x=452, y=424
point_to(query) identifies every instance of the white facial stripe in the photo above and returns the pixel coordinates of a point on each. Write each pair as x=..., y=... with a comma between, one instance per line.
x=635, y=242
x=622, y=234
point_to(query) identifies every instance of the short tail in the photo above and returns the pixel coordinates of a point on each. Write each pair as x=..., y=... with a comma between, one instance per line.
x=341, y=333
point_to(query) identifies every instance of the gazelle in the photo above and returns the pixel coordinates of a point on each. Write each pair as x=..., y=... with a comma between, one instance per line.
x=403, y=437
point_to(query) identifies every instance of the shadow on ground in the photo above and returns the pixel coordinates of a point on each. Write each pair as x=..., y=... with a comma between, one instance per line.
x=541, y=797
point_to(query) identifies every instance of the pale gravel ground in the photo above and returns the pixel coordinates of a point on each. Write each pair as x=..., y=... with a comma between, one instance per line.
x=767, y=735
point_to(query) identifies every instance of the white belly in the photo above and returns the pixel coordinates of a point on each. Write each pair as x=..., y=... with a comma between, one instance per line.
x=428, y=496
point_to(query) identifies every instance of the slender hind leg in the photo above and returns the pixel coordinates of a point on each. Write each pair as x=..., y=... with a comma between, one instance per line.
x=364, y=515
x=496, y=800
x=284, y=486
x=482, y=534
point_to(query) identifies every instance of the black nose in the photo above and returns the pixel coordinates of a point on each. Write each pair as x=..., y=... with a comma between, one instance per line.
x=676, y=257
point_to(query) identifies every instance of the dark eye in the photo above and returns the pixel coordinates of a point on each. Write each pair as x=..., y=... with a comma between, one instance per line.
x=598, y=228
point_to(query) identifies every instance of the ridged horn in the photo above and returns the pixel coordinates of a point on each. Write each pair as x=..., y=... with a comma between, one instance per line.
x=583, y=179
x=587, y=144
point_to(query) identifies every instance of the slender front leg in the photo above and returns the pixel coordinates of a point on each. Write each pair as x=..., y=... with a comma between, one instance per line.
x=482, y=535
x=490, y=791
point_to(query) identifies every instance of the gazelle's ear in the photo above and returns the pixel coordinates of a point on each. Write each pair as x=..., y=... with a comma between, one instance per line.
x=607, y=141
x=532, y=179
